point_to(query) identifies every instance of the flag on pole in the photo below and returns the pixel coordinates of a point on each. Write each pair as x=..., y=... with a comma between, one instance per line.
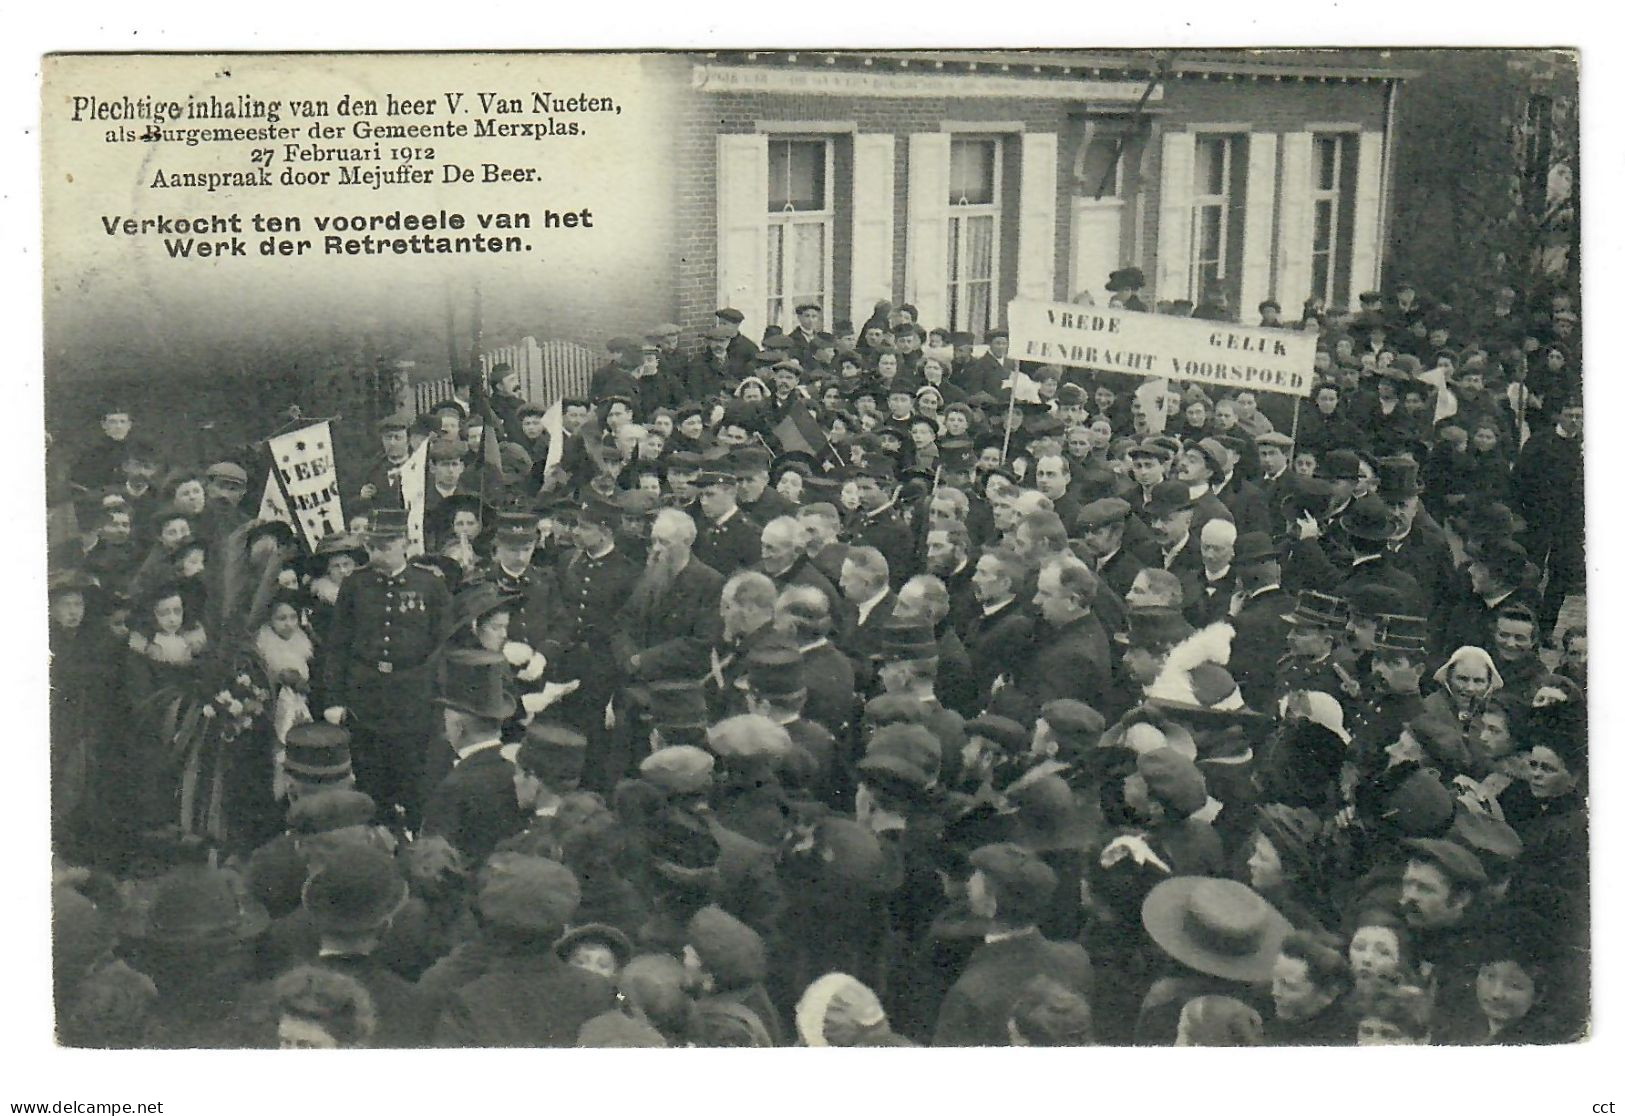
x=553, y=423
x=414, y=496
x=799, y=432
x=1022, y=387
x=1155, y=400
x=273, y=506
x=308, y=476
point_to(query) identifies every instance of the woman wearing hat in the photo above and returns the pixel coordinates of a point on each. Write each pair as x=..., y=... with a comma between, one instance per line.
x=337, y=557
x=1468, y=682
x=1281, y=864
x=1217, y=937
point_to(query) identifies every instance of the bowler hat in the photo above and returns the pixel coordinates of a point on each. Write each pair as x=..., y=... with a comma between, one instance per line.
x=1220, y=927
x=354, y=889
x=1368, y=518
x=1167, y=498
x=473, y=681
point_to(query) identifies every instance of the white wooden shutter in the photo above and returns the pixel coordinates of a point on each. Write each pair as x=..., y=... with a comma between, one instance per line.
x=1366, y=253
x=1174, y=216
x=925, y=278
x=1295, y=239
x=1258, y=224
x=874, y=181
x=742, y=228
x=1035, y=249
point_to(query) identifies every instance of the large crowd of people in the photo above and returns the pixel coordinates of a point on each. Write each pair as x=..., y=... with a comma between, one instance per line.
x=851, y=687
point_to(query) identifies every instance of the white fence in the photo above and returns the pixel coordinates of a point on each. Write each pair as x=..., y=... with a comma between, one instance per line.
x=548, y=370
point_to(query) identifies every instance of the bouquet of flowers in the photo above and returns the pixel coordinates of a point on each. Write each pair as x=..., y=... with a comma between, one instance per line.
x=234, y=708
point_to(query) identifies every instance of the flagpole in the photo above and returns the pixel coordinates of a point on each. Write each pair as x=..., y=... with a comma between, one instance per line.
x=1297, y=402
x=1009, y=420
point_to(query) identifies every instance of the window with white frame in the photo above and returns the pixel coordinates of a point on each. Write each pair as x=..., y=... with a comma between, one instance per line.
x=974, y=167
x=1213, y=235
x=800, y=226
x=1332, y=171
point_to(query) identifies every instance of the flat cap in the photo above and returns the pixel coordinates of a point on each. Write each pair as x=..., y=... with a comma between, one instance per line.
x=1459, y=864
x=729, y=314
x=1173, y=779
x=1015, y=868
x=1098, y=513
x=227, y=470
x=681, y=769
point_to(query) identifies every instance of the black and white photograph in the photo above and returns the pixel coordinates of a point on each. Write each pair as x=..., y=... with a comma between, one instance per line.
x=860, y=547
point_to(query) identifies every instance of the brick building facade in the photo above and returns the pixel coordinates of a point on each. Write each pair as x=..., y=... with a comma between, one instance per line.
x=958, y=181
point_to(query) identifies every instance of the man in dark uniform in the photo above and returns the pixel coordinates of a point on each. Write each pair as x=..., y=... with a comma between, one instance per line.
x=592, y=587
x=728, y=539
x=881, y=523
x=510, y=570
x=389, y=622
x=1313, y=624
x=1393, y=699
x=381, y=477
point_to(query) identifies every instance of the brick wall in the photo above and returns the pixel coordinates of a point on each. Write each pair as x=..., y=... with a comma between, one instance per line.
x=1265, y=105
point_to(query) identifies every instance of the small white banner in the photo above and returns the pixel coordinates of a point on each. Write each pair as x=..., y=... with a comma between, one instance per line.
x=414, y=489
x=1161, y=346
x=310, y=480
x=273, y=508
